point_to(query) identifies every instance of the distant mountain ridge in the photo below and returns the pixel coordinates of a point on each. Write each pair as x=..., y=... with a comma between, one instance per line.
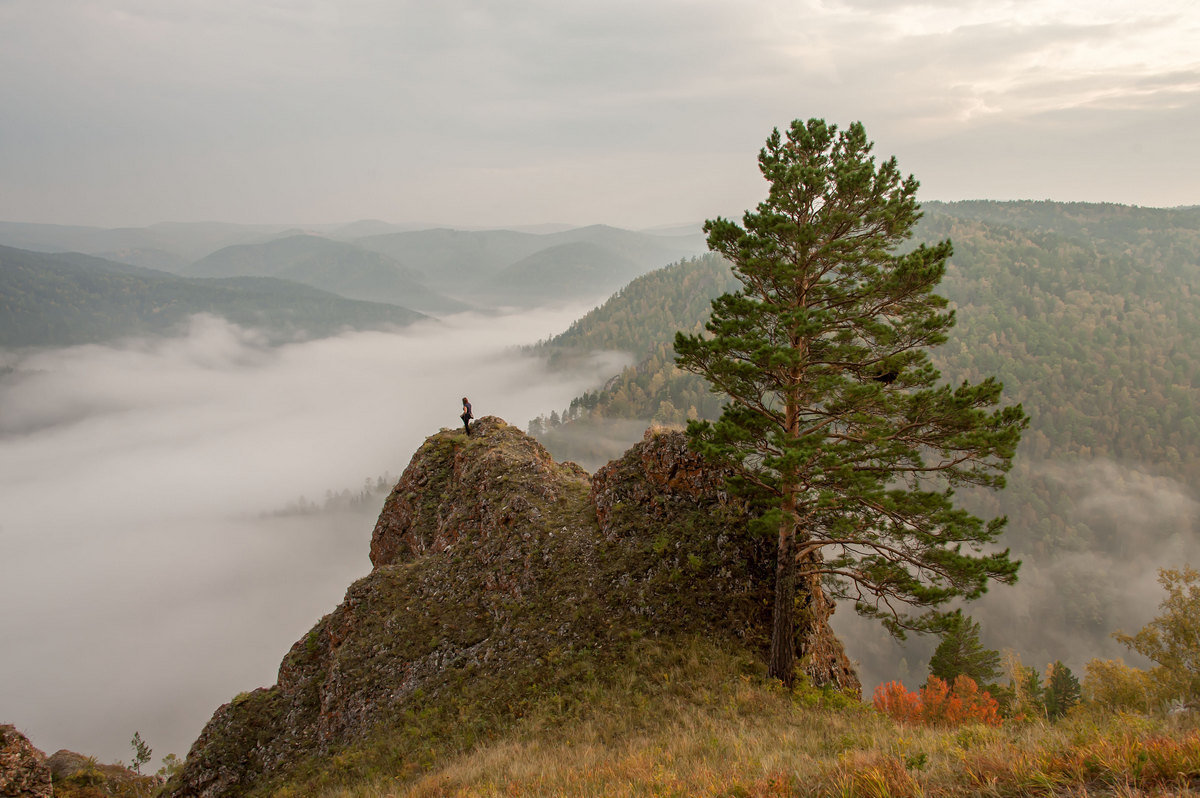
x=506, y=267
x=334, y=266
x=61, y=300
x=438, y=270
x=567, y=271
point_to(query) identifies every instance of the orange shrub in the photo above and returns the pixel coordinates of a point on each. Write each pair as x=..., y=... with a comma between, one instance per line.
x=938, y=703
x=897, y=703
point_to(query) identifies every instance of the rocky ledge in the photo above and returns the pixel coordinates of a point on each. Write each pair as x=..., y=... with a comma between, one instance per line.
x=493, y=564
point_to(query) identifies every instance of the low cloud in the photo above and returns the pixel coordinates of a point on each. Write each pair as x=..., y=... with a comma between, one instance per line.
x=144, y=576
x=1066, y=606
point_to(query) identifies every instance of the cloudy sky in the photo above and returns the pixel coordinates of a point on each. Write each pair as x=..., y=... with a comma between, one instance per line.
x=129, y=112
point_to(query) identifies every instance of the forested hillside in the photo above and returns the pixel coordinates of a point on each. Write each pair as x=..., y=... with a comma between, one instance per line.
x=1097, y=338
x=49, y=300
x=641, y=319
x=1096, y=330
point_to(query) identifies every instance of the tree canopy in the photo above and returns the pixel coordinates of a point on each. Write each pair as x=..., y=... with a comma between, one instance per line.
x=836, y=424
x=961, y=652
x=1172, y=640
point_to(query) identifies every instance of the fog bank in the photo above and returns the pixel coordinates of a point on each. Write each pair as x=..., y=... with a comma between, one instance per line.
x=143, y=578
x=1066, y=605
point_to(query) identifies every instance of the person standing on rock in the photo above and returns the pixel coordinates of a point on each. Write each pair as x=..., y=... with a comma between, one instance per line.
x=466, y=415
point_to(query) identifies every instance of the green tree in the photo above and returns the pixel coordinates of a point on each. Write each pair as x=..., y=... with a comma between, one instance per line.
x=836, y=426
x=171, y=765
x=1061, y=691
x=141, y=752
x=1173, y=638
x=1023, y=695
x=961, y=652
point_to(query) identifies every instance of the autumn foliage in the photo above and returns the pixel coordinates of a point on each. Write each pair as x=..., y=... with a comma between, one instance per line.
x=938, y=703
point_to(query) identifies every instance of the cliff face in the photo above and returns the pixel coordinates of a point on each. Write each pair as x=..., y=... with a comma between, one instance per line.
x=498, y=573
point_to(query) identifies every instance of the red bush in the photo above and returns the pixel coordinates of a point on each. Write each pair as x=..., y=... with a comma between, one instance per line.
x=938, y=703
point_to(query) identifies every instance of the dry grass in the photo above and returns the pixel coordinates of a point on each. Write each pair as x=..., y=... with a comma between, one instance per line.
x=702, y=726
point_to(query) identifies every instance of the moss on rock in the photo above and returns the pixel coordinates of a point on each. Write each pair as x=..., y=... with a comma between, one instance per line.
x=500, y=577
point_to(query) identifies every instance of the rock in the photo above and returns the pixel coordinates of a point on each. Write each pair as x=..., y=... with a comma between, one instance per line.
x=661, y=482
x=64, y=764
x=77, y=770
x=460, y=486
x=492, y=563
x=23, y=769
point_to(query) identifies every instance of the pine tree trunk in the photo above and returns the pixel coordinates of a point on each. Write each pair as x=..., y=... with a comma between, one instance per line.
x=782, y=662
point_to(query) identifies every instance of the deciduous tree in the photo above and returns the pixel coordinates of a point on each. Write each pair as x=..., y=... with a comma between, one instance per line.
x=1173, y=638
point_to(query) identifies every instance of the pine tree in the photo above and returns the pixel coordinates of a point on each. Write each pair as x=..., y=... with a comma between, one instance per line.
x=962, y=652
x=1061, y=691
x=835, y=423
x=141, y=752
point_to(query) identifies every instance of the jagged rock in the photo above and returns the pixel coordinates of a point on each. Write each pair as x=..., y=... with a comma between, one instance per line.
x=23, y=769
x=492, y=563
x=477, y=485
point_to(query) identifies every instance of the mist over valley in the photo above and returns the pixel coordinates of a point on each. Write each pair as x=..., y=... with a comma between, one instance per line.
x=169, y=494
x=149, y=569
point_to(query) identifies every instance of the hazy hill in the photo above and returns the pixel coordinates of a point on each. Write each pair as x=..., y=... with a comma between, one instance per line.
x=175, y=242
x=49, y=300
x=469, y=263
x=1100, y=337
x=650, y=309
x=450, y=259
x=500, y=578
x=433, y=265
x=149, y=258
x=367, y=227
x=333, y=266
x=563, y=272
x=648, y=250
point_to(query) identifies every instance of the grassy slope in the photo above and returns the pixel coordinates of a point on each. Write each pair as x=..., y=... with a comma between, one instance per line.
x=690, y=718
x=692, y=713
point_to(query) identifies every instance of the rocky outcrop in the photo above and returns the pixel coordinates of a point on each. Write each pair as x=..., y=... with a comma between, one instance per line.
x=23, y=769
x=456, y=487
x=660, y=484
x=66, y=764
x=495, y=567
x=76, y=774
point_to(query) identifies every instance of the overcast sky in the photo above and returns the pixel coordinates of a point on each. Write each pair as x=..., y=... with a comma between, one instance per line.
x=472, y=113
